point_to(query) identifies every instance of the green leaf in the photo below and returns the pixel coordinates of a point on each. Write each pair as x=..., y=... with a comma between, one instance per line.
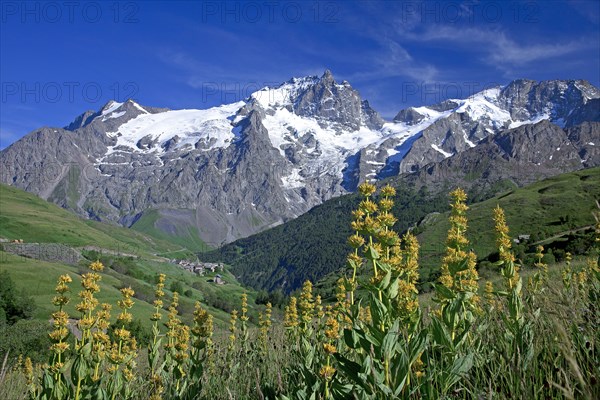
x=60, y=389
x=466, y=296
x=459, y=368
x=351, y=338
x=99, y=393
x=87, y=349
x=393, y=289
x=459, y=266
x=117, y=382
x=79, y=369
x=385, y=281
x=417, y=346
x=401, y=372
x=444, y=292
x=373, y=339
x=376, y=310
x=371, y=253
x=440, y=334
x=384, y=267
x=461, y=336
x=353, y=264
x=367, y=367
x=48, y=381
x=350, y=368
x=385, y=389
x=341, y=391
x=390, y=341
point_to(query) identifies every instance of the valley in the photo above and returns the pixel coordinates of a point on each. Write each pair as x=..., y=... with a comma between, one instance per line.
x=130, y=258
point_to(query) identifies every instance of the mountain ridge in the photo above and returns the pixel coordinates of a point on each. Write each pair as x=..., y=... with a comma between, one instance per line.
x=239, y=168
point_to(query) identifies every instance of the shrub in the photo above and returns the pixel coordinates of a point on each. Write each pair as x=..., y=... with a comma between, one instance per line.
x=14, y=305
x=137, y=330
x=176, y=286
x=28, y=338
x=276, y=298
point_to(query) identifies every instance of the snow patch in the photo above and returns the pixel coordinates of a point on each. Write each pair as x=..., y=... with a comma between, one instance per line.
x=212, y=126
x=293, y=180
x=333, y=148
x=110, y=107
x=440, y=150
x=429, y=113
x=534, y=120
x=136, y=105
x=113, y=115
x=483, y=105
x=284, y=94
x=467, y=141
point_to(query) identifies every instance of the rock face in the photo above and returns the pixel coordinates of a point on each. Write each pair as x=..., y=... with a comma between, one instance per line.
x=239, y=168
x=461, y=124
x=335, y=104
x=517, y=157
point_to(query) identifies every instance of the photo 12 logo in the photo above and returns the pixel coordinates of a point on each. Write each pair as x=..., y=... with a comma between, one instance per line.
x=70, y=92
x=270, y=11
x=71, y=12
x=465, y=12
x=436, y=92
x=232, y=92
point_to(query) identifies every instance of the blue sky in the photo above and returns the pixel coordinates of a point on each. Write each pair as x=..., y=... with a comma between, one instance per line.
x=58, y=59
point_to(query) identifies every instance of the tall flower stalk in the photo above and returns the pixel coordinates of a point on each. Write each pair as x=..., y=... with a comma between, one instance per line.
x=123, y=352
x=519, y=333
x=54, y=383
x=457, y=292
x=154, y=353
x=87, y=326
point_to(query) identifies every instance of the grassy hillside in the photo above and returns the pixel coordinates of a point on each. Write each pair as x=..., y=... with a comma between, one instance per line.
x=547, y=210
x=38, y=279
x=28, y=217
x=314, y=245
x=556, y=213
x=129, y=257
x=185, y=235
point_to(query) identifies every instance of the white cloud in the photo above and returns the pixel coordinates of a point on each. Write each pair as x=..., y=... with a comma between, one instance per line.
x=392, y=60
x=508, y=51
x=496, y=47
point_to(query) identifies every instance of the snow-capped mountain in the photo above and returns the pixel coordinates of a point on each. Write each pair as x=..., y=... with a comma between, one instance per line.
x=236, y=169
x=462, y=123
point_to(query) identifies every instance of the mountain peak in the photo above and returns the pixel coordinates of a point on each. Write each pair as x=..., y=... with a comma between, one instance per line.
x=327, y=76
x=112, y=109
x=338, y=106
x=526, y=99
x=109, y=107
